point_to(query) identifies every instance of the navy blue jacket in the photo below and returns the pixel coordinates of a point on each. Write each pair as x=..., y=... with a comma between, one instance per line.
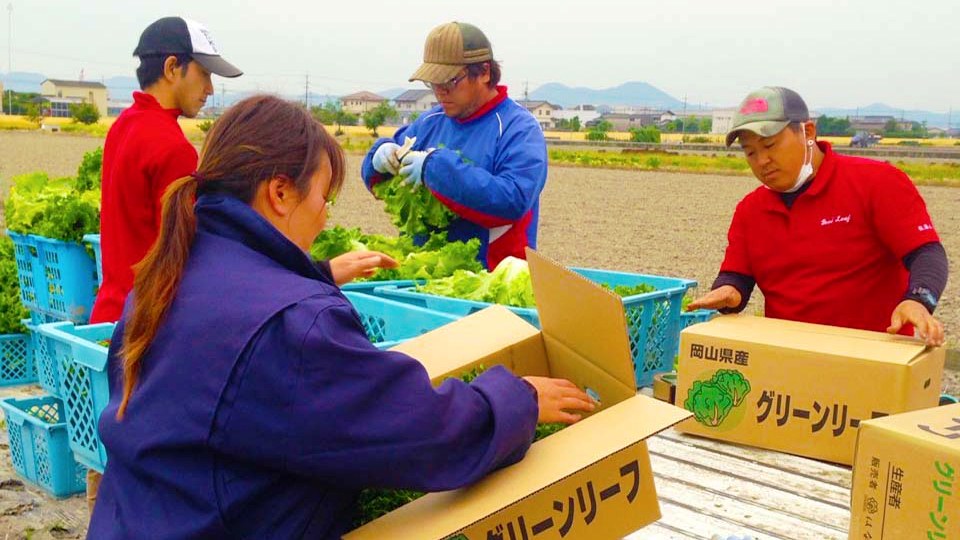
x=263, y=409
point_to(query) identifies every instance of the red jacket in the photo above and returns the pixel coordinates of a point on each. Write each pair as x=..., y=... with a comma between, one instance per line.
x=836, y=256
x=144, y=152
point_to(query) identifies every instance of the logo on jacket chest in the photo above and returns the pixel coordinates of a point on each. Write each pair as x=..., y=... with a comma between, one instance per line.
x=835, y=220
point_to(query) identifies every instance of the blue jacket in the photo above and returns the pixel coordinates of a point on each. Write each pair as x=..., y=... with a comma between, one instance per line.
x=488, y=169
x=263, y=409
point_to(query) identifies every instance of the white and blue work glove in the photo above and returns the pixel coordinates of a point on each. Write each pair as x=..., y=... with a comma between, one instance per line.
x=411, y=166
x=387, y=157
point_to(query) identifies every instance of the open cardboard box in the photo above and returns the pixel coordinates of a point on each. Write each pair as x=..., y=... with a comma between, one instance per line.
x=590, y=481
x=797, y=387
x=906, y=478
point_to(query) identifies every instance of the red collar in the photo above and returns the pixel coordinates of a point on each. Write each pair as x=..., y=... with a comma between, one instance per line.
x=488, y=106
x=146, y=101
x=827, y=166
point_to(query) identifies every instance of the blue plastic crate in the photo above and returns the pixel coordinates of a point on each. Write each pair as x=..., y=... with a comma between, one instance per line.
x=388, y=322
x=16, y=360
x=653, y=319
x=39, y=447
x=29, y=270
x=369, y=287
x=84, y=387
x=48, y=373
x=457, y=306
x=688, y=318
x=94, y=241
x=57, y=278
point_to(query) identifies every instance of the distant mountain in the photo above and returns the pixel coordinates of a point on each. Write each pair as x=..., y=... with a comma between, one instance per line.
x=933, y=119
x=22, y=81
x=631, y=93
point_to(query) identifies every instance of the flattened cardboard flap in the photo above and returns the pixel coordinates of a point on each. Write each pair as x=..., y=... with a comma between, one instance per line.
x=583, y=316
x=458, y=344
x=827, y=340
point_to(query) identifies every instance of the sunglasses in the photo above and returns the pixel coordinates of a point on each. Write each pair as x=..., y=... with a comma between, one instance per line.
x=447, y=86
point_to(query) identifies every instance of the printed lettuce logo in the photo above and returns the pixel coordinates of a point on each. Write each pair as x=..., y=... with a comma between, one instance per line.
x=711, y=401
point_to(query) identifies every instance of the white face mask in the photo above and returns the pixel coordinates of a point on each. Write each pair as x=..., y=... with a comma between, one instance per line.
x=806, y=171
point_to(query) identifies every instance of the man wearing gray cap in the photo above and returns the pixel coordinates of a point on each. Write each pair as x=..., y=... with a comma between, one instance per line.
x=829, y=239
x=479, y=152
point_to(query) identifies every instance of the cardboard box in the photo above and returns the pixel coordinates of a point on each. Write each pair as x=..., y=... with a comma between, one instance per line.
x=796, y=387
x=906, y=478
x=591, y=480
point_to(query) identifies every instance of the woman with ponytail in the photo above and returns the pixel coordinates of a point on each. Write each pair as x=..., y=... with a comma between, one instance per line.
x=246, y=400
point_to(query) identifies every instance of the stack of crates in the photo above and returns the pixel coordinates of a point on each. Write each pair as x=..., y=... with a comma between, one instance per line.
x=58, y=282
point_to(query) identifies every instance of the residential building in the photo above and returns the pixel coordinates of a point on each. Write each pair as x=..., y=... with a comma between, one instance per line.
x=414, y=103
x=542, y=111
x=722, y=120
x=624, y=121
x=361, y=102
x=115, y=107
x=877, y=123
x=569, y=114
x=60, y=94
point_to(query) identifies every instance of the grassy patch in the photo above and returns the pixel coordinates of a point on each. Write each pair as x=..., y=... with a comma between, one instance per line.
x=925, y=174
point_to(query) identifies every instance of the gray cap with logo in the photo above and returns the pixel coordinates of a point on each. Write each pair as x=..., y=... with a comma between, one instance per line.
x=767, y=111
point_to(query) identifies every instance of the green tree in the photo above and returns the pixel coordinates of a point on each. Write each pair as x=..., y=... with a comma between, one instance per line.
x=575, y=123
x=599, y=131
x=413, y=116
x=378, y=116
x=332, y=114
x=205, y=125
x=839, y=127
x=648, y=134
x=34, y=114
x=84, y=113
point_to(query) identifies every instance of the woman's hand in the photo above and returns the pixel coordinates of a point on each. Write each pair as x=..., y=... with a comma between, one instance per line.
x=555, y=397
x=355, y=264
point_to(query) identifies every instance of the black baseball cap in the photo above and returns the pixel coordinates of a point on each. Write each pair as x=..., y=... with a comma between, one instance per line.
x=177, y=35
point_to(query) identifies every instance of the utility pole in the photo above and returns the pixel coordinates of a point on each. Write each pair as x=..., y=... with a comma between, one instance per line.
x=223, y=97
x=9, y=55
x=683, y=119
x=526, y=93
x=306, y=93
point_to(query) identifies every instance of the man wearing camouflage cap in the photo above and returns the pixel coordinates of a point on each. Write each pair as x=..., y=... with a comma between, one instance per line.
x=829, y=239
x=479, y=152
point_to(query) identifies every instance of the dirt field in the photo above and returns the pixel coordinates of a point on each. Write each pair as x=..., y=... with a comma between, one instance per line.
x=657, y=223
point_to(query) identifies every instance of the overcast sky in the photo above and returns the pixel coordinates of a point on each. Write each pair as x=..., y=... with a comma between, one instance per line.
x=836, y=53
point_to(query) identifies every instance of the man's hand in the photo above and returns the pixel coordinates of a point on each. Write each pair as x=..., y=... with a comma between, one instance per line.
x=412, y=166
x=926, y=326
x=726, y=296
x=385, y=159
x=555, y=397
x=355, y=264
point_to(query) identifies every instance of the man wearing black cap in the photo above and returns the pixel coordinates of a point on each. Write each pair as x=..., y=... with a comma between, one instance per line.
x=479, y=152
x=829, y=239
x=146, y=150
